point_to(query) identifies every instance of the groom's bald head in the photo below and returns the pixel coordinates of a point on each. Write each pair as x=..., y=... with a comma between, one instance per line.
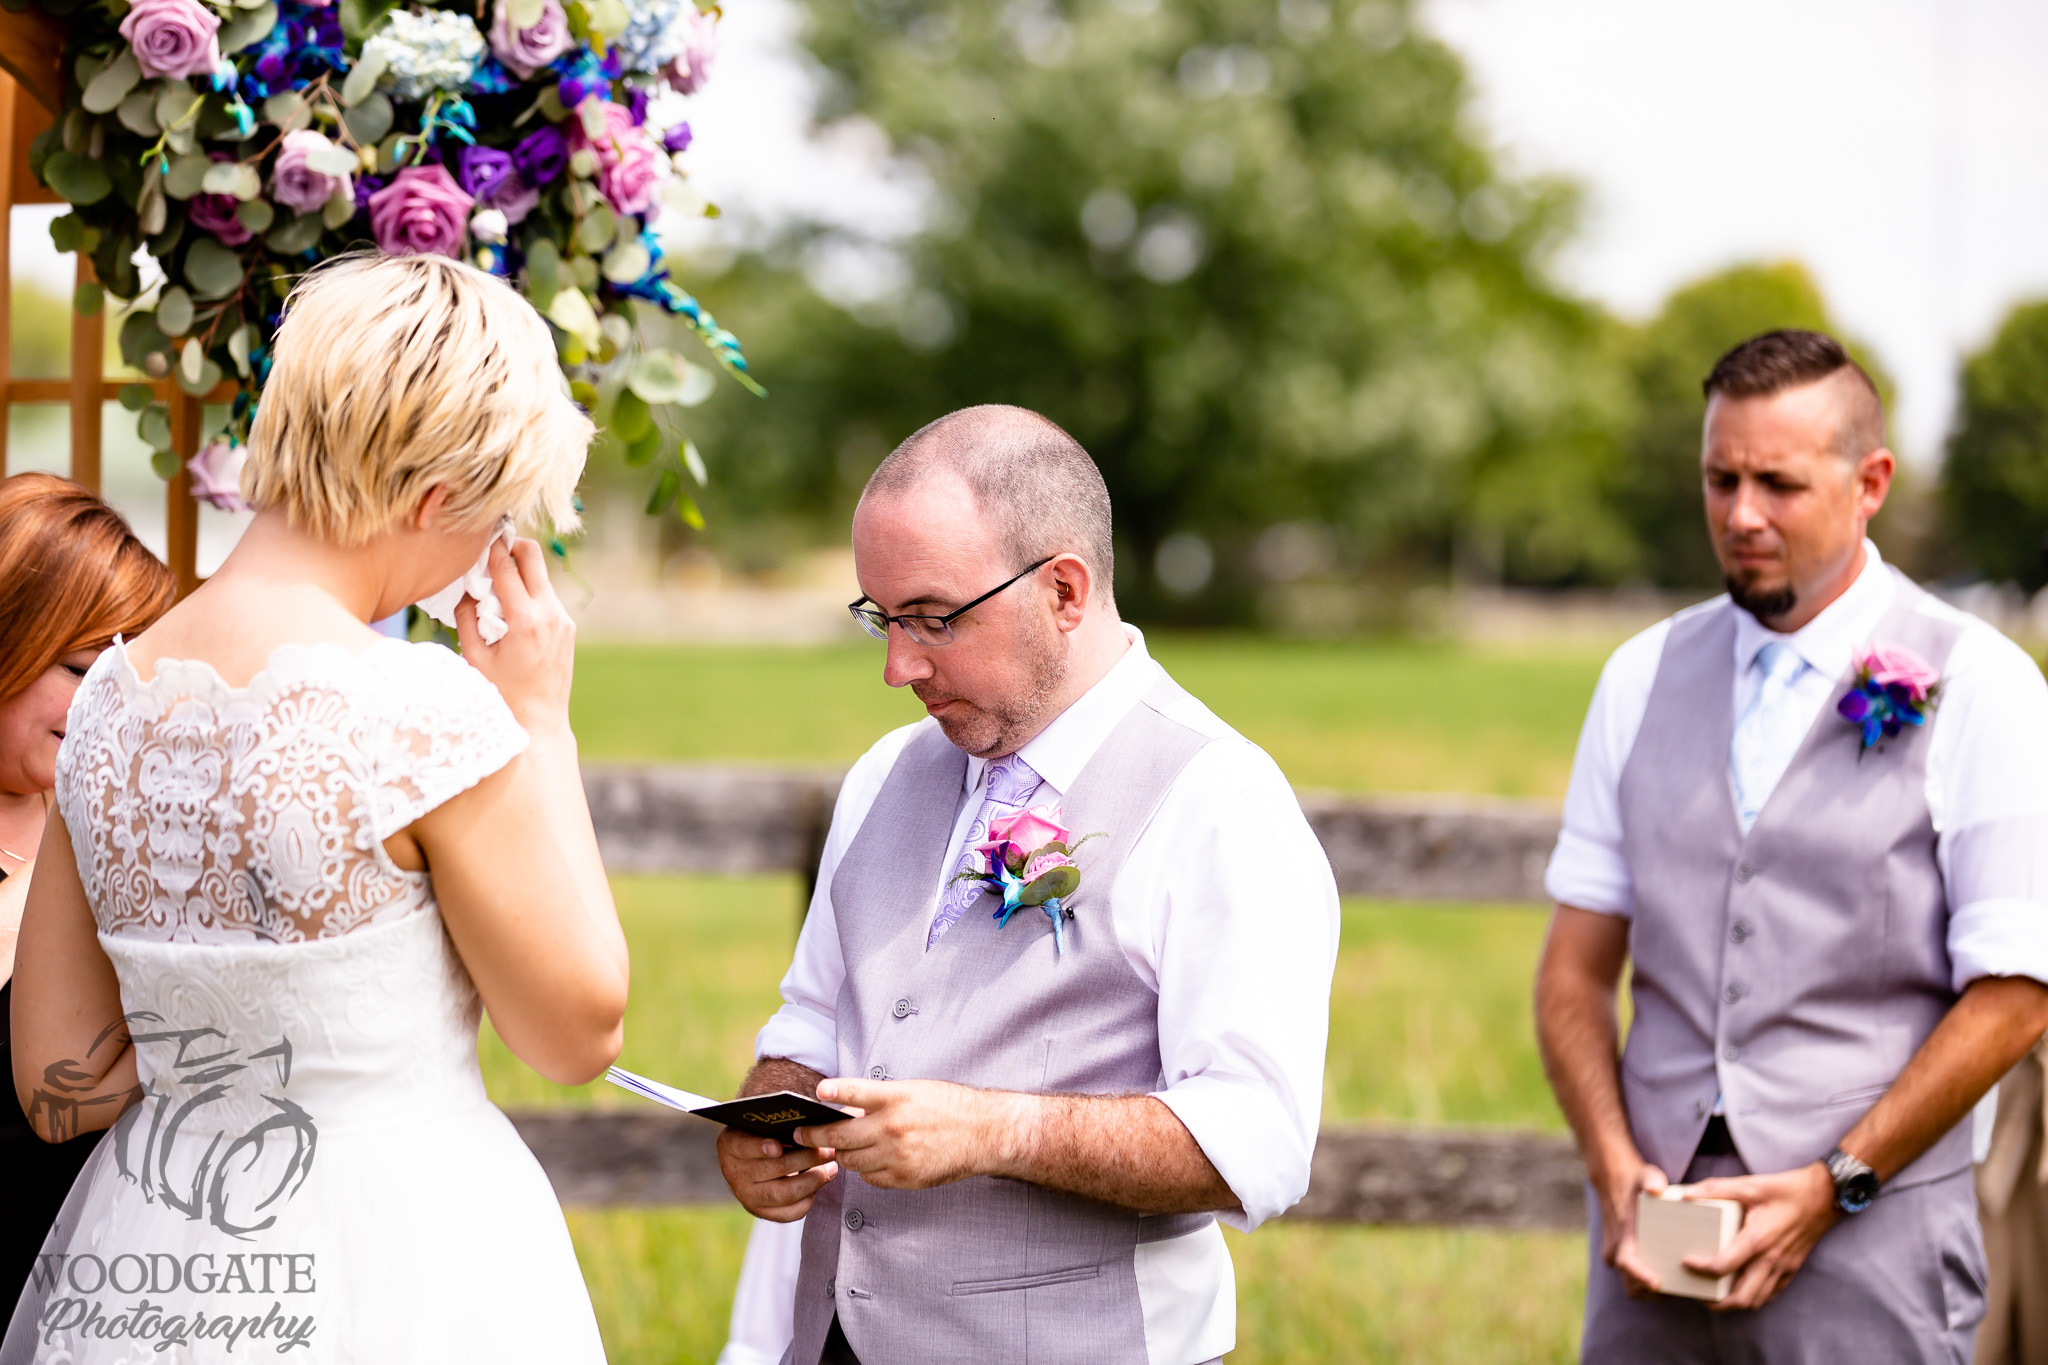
x=1033, y=482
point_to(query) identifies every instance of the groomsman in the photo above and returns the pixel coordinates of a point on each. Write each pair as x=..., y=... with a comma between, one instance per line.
x=1060, y=1102
x=1838, y=930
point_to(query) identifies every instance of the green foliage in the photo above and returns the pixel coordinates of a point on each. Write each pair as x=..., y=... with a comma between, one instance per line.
x=1248, y=254
x=1995, y=484
x=1656, y=486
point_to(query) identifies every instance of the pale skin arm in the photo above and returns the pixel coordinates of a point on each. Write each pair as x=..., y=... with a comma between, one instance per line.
x=1127, y=1150
x=515, y=863
x=1785, y=1213
x=74, y=1069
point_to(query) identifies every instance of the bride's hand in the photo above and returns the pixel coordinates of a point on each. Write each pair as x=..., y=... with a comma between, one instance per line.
x=534, y=662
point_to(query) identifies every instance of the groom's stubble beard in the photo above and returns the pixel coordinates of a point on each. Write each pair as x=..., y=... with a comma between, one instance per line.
x=1003, y=725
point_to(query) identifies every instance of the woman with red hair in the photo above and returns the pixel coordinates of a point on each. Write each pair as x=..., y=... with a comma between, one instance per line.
x=72, y=578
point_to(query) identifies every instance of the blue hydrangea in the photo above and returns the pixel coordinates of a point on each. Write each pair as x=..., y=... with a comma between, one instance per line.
x=425, y=52
x=653, y=35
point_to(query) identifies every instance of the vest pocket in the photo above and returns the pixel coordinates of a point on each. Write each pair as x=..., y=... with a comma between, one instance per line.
x=1859, y=1095
x=1067, y=1276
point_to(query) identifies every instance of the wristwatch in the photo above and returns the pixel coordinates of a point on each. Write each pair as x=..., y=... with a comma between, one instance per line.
x=1855, y=1183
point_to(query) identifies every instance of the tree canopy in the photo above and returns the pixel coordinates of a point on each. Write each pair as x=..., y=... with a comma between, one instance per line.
x=1995, y=484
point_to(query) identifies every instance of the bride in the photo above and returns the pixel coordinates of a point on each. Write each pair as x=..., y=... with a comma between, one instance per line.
x=291, y=858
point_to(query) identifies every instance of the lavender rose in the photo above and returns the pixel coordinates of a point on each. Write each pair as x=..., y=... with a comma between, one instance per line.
x=542, y=156
x=492, y=178
x=217, y=474
x=216, y=214
x=688, y=72
x=173, y=38
x=629, y=164
x=528, y=50
x=422, y=211
x=296, y=185
x=677, y=139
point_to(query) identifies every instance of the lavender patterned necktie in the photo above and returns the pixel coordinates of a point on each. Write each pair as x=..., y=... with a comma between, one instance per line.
x=1011, y=785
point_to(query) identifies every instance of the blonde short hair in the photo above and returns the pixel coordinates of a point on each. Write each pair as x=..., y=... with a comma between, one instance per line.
x=396, y=373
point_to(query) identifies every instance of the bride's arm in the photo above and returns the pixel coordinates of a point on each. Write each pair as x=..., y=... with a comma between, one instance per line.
x=514, y=859
x=74, y=1068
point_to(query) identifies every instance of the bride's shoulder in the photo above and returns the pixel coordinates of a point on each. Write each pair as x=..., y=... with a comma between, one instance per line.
x=427, y=675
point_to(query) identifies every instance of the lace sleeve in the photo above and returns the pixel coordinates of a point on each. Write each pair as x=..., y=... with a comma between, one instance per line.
x=445, y=729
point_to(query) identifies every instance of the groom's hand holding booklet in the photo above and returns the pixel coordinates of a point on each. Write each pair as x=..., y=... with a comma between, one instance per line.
x=775, y=1116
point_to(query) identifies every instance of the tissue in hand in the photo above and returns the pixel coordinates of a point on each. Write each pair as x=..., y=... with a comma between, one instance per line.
x=490, y=613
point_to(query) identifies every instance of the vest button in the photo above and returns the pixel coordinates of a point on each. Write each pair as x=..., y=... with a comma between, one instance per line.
x=831, y=1289
x=1743, y=872
x=854, y=1221
x=1730, y=1053
x=1741, y=931
x=902, y=1010
x=1732, y=994
x=878, y=1072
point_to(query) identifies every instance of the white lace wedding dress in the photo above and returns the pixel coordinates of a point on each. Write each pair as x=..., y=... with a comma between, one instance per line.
x=313, y=1169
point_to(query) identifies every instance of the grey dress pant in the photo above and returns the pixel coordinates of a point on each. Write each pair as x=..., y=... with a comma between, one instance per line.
x=1901, y=1282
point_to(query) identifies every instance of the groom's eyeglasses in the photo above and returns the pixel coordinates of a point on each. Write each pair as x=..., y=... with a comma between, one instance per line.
x=928, y=630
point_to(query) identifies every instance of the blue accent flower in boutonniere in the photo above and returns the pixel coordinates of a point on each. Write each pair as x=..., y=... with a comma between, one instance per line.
x=1894, y=688
x=1027, y=860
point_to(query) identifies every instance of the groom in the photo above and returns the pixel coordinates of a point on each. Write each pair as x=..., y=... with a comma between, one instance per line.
x=1060, y=1103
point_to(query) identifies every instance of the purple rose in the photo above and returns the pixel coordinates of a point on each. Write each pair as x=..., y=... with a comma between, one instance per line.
x=677, y=139
x=421, y=212
x=215, y=213
x=366, y=187
x=636, y=105
x=492, y=178
x=529, y=50
x=297, y=186
x=692, y=65
x=542, y=156
x=173, y=38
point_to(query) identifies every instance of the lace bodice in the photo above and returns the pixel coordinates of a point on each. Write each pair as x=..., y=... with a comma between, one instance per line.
x=204, y=813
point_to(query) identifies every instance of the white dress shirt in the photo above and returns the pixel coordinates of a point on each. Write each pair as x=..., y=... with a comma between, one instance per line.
x=1987, y=769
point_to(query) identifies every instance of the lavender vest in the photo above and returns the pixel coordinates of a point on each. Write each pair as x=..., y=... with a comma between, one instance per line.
x=1794, y=970
x=999, y=1272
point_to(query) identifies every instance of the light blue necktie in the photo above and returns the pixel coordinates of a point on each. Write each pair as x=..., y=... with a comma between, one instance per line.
x=1768, y=733
x=1011, y=785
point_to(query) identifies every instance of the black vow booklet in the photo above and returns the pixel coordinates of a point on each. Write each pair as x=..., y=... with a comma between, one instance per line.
x=775, y=1116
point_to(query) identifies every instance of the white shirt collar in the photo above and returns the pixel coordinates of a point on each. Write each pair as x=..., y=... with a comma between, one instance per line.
x=1829, y=640
x=1059, y=751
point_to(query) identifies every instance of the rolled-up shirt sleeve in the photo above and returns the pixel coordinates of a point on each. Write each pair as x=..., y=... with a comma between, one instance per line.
x=1987, y=769
x=806, y=1030
x=1588, y=868
x=1241, y=929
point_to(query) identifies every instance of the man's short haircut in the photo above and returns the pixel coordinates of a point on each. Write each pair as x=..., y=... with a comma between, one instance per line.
x=1032, y=481
x=396, y=373
x=1790, y=359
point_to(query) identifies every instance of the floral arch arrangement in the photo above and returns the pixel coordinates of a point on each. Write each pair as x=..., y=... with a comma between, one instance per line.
x=239, y=142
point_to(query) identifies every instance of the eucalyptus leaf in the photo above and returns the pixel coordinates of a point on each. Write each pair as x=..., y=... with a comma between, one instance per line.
x=152, y=211
x=208, y=378
x=77, y=179
x=631, y=417
x=686, y=508
x=190, y=357
x=211, y=269
x=363, y=78
x=88, y=298
x=251, y=26
x=583, y=273
x=136, y=397
x=183, y=139
x=289, y=110
x=333, y=160
x=657, y=376
x=644, y=450
x=137, y=113
x=174, y=312
x=174, y=103
x=337, y=211
x=667, y=488
x=294, y=235
x=105, y=91
x=583, y=393
x=570, y=310
x=256, y=215
x=141, y=337
x=88, y=67
x=698, y=385
x=154, y=427
x=239, y=343
x=596, y=231
x=693, y=459
x=221, y=178
x=524, y=14
x=1060, y=882
x=369, y=119
x=591, y=112
x=543, y=272
x=627, y=261
x=67, y=232
x=186, y=175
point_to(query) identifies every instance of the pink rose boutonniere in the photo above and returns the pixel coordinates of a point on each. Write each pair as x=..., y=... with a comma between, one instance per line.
x=1028, y=859
x=1894, y=688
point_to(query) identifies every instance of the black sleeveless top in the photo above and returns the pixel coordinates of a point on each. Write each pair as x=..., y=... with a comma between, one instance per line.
x=34, y=1175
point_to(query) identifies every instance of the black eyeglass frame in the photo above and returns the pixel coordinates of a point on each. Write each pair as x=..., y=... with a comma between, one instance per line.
x=941, y=627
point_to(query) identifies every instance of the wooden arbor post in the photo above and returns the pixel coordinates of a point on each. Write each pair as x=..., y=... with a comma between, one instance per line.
x=31, y=95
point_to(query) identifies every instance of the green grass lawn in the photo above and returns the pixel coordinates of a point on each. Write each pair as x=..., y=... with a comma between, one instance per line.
x=1350, y=715
x=1430, y=1025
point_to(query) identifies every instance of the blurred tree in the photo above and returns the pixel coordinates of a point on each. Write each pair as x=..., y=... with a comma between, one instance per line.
x=1995, y=483
x=1655, y=486
x=1248, y=253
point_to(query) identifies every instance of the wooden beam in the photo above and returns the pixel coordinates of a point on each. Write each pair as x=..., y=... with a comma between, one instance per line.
x=32, y=52
x=181, y=513
x=86, y=385
x=59, y=390
x=1387, y=1176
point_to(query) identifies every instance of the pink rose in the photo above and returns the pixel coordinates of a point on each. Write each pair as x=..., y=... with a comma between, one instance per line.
x=629, y=163
x=173, y=38
x=1889, y=664
x=217, y=474
x=1043, y=863
x=297, y=186
x=421, y=212
x=527, y=50
x=1024, y=833
x=692, y=65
